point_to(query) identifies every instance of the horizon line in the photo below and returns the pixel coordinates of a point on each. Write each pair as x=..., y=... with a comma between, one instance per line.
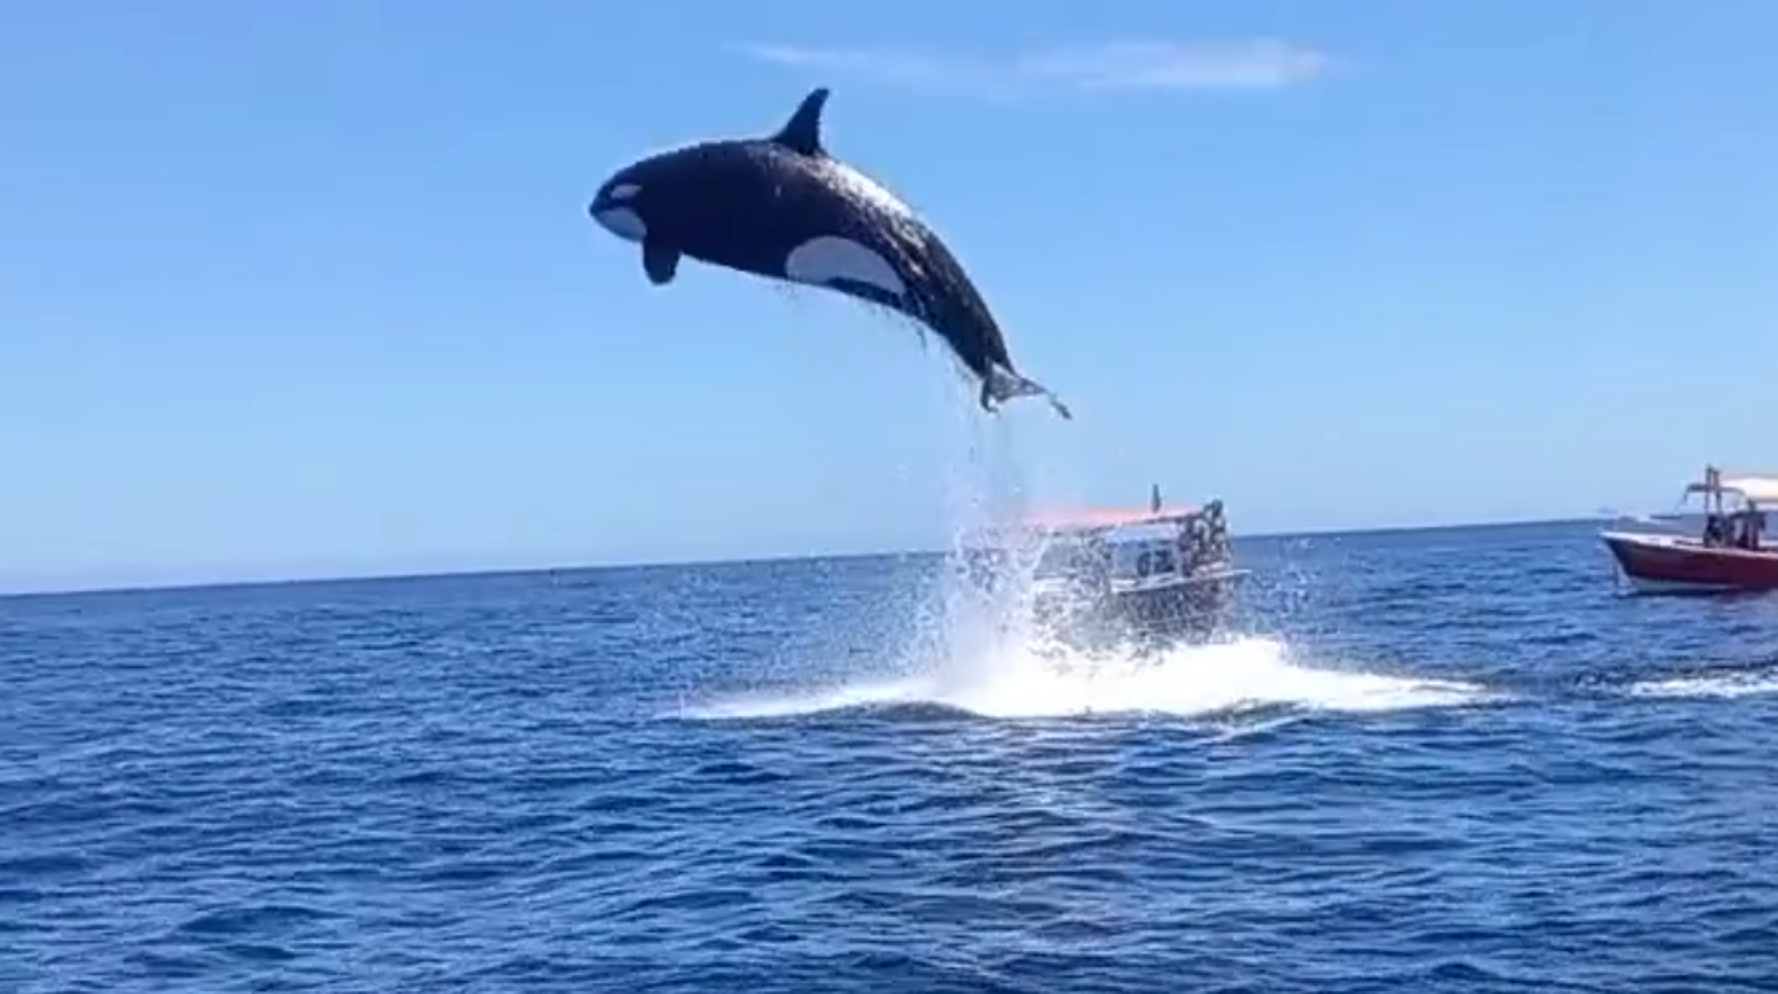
x=321, y=579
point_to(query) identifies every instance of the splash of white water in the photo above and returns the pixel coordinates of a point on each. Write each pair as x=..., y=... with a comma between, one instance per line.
x=978, y=650
x=1014, y=682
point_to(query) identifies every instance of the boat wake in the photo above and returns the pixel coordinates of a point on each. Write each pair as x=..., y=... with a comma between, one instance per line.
x=1705, y=685
x=979, y=652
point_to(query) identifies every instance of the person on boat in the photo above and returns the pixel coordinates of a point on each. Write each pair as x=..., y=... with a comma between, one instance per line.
x=1751, y=520
x=1193, y=542
x=1716, y=531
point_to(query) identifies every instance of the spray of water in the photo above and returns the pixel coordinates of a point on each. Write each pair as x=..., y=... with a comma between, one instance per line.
x=978, y=646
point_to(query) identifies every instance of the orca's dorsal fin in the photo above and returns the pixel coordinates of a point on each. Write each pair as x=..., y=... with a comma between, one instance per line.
x=802, y=133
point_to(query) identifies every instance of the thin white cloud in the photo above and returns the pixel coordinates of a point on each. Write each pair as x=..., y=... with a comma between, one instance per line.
x=1262, y=63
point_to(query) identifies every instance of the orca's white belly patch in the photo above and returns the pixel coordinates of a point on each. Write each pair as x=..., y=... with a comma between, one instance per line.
x=830, y=259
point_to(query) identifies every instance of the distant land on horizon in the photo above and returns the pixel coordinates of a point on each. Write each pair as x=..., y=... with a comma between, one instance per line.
x=321, y=579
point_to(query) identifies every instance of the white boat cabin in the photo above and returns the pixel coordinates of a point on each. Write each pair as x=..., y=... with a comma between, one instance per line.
x=1145, y=553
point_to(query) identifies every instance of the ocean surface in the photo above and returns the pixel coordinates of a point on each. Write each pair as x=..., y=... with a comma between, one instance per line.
x=1455, y=760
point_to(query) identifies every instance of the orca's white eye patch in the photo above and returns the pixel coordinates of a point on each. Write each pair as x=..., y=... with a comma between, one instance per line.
x=623, y=191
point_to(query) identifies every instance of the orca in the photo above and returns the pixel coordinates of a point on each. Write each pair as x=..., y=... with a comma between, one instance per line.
x=783, y=208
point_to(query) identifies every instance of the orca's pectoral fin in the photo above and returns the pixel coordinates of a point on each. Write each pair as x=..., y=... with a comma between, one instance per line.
x=659, y=261
x=1002, y=384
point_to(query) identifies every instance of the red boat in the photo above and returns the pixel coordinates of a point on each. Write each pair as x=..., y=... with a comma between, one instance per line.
x=1730, y=554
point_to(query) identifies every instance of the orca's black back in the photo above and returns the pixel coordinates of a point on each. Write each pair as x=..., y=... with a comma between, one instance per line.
x=747, y=204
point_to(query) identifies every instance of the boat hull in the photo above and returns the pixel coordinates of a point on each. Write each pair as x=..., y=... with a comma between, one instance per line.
x=1672, y=564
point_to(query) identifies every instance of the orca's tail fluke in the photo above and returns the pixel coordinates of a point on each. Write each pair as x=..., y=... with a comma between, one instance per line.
x=1002, y=384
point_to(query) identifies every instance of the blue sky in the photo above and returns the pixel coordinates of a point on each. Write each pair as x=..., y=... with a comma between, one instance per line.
x=309, y=288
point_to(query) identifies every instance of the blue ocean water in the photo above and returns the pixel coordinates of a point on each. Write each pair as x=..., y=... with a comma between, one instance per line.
x=1452, y=760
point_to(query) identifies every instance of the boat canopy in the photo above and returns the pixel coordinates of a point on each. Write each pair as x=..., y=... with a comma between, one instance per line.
x=1097, y=518
x=1156, y=522
x=1753, y=489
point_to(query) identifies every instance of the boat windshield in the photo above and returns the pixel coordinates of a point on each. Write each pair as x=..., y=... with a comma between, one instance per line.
x=1138, y=551
x=1156, y=561
x=1066, y=558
